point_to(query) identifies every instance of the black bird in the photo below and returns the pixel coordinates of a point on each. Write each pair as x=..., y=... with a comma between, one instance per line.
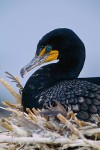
x=59, y=81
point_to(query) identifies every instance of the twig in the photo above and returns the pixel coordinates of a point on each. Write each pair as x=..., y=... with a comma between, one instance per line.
x=70, y=126
x=8, y=125
x=16, y=80
x=10, y=89
x=91, y=132
x=48, y=140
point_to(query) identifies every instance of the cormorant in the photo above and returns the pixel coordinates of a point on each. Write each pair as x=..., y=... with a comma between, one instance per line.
x=59, y=81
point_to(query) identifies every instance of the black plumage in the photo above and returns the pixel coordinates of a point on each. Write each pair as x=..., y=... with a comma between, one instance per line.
x=59, y=81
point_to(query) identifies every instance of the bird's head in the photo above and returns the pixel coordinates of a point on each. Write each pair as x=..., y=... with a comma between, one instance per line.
x=60, y=44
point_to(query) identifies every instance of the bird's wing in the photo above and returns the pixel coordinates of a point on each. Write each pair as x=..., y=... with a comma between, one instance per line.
x=81, y=96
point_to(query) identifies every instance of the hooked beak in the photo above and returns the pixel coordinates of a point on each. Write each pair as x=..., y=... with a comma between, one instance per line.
x=38, y=60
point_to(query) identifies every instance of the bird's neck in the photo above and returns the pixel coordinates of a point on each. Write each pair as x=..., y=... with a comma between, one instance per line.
x=64, y=71
x=48, y=75
x=44, y=78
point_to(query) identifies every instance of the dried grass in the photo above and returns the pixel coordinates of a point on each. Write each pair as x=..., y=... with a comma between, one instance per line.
x=34, y=131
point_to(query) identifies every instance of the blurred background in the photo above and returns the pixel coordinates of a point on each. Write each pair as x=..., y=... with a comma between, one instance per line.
x=24, y=22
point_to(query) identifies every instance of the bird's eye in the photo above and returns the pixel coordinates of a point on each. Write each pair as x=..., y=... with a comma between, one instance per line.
x=48, y=48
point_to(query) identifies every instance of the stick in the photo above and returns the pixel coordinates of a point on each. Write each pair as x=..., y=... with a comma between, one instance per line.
x=10, y=89
x=70, y=126
x=48, y=140
x=15, y=129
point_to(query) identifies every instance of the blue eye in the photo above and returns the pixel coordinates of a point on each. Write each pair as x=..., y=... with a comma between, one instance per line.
x=48, y=48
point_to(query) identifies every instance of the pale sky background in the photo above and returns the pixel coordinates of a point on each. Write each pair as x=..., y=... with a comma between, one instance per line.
x=24, y=22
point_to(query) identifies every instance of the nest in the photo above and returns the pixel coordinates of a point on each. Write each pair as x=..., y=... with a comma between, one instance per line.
x=37, y=130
